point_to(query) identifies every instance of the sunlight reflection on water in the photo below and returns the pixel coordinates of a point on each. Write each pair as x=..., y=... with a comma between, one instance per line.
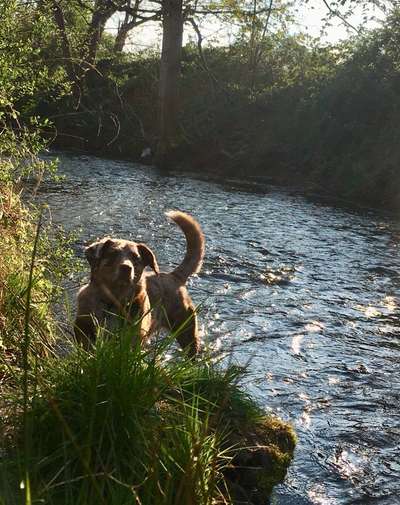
x=296, y=342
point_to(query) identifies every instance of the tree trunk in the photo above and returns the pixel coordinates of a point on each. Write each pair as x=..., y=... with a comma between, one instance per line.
x=94, y=36
x=65, y=45
x=122, y=34
x=120, y=39
x=169, y=78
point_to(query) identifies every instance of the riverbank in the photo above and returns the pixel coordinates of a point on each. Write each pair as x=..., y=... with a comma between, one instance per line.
x=308, y=180
x=301, y=122
x=218, y=168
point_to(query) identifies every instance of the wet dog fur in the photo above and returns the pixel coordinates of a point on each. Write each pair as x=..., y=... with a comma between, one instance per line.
x=120, y=285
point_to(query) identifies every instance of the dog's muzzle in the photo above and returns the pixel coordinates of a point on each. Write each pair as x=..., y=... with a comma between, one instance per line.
x=126, y=271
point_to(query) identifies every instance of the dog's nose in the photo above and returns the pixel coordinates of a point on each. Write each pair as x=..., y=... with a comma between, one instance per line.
x=126, y=269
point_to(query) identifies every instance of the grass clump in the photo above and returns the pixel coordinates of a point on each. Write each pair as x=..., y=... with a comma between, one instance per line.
x=121, y=425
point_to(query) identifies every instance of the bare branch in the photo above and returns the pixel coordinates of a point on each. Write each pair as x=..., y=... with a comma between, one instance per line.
x=200, y=49
x=337, y=14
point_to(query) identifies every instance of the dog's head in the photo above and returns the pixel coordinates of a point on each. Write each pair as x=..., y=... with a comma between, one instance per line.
x=119, y=264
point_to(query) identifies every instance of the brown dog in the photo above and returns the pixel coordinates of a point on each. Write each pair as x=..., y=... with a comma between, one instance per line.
x=119, y=285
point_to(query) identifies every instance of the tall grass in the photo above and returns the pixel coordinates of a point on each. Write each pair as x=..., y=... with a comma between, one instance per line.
x=28, y=256
x=124, y=425
x=118, y=424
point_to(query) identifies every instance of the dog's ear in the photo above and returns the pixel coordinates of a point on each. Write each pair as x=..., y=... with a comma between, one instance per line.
x=94, y=251
x=148, y=257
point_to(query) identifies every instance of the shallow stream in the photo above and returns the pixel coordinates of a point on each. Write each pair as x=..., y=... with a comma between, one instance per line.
x=305, y=292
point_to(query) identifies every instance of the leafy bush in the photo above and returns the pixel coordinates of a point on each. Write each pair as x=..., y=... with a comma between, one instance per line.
x=23, y=80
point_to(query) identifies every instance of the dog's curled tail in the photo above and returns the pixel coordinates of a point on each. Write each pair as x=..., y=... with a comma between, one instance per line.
x=195, y=243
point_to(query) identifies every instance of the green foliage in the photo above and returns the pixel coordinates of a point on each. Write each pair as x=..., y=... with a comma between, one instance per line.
x=354, y=115
x=320, y=116
x=123, y=425
x=271, y=103
x=23, y=81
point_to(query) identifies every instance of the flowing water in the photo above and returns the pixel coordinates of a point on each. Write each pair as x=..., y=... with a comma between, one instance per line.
x=305, y=293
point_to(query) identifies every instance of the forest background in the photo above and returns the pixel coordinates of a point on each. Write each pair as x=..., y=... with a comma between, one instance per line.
x=266, y=101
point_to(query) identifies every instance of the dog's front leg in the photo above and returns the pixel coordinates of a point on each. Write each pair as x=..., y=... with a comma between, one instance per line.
x=90, y=314
x=140, y=312
x=85, y=331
